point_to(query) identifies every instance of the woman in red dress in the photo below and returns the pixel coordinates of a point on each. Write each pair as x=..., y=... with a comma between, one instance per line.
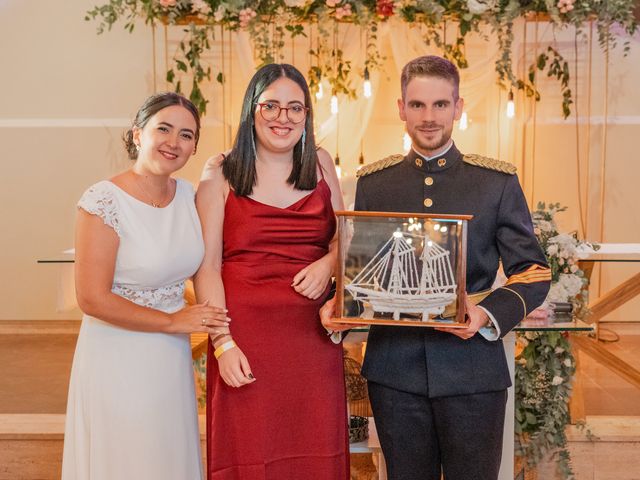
x=276, y=406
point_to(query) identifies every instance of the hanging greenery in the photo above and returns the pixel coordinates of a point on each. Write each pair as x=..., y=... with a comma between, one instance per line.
x=270, y=21
x=545, y=364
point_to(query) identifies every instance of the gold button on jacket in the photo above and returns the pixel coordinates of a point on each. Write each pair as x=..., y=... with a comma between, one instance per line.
x=428, y=181
x=428, y=202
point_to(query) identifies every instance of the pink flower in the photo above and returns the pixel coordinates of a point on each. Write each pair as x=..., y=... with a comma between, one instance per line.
x=168, y=3
x=342, y=12
x=245, y=16
x=332, y=3
x=384, y=8
x=565, y=6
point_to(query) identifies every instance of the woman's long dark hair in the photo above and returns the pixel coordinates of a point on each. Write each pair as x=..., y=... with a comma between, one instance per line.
x=239, y=168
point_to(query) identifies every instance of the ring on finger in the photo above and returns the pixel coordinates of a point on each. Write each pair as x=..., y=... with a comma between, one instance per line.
x=204, y=322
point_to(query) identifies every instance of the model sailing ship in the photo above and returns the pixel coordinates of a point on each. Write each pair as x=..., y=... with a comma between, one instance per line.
x=392, y=282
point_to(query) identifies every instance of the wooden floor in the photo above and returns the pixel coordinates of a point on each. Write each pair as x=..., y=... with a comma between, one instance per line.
x=604, y=392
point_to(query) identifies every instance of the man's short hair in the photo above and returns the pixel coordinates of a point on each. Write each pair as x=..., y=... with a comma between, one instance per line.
x=430, y=66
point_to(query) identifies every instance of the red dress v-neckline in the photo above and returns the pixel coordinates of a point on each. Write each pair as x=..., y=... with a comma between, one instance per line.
x=300, y=200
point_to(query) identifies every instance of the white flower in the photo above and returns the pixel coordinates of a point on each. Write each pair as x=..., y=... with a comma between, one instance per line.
x=545, y=226
x=478, y=7
x=571, y=283
x=558, y=350
x=200, y=6
x=557, y=293
x=218, y=15
x=552, y=249
x=556, y=380
x=567, y=362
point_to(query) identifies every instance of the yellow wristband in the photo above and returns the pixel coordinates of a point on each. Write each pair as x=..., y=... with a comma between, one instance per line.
x=224, y=347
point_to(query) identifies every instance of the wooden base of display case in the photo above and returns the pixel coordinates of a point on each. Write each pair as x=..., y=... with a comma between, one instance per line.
x=399, y=323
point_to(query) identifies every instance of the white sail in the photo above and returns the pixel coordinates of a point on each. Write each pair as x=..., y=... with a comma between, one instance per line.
x=392, y=283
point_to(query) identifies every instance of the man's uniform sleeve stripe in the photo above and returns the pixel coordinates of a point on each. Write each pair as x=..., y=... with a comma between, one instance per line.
x=533, y=274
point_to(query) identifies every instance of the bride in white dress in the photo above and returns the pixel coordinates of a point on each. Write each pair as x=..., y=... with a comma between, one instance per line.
x=131, y=411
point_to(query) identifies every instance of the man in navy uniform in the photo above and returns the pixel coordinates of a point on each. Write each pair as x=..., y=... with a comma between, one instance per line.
x=438, y=395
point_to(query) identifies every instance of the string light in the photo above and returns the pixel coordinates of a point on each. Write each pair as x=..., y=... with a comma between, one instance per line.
x=366, y=87
x=338, y=168
x=464, y=122
x=511, y=106
x=334, y=104
x=320, y=92
x=406, y=143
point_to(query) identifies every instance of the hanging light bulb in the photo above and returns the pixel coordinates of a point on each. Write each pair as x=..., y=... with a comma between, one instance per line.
x=511, y=106
x=361, y=159
x=334, y=104
x=338, y=168
x=406, y=143
x=320, y=92
x=366, y=87
x=464, y=122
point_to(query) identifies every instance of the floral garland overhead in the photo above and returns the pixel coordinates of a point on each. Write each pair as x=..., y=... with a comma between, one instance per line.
x=270, y=21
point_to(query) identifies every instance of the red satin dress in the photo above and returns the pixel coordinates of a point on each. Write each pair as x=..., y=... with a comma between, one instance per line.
x=291, y=423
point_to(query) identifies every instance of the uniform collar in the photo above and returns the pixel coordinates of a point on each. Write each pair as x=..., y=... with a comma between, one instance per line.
x=444, y=160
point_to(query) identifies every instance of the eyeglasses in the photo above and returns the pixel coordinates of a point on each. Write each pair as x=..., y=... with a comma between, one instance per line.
x=271, y=111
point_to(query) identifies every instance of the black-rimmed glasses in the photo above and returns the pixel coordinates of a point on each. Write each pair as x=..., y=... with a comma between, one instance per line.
x=271, y=111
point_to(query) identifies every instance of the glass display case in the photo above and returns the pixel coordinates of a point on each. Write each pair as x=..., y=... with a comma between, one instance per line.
x=402, y=269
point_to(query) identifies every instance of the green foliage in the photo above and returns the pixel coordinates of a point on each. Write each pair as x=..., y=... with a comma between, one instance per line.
x=270, y=22
x=545, y=365
x=544, y=372
x=200, y=373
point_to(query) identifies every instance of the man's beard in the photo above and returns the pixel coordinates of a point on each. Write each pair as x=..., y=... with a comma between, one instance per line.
x=432, y=145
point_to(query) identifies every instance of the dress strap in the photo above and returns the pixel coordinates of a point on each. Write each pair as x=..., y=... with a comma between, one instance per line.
x=321, y=171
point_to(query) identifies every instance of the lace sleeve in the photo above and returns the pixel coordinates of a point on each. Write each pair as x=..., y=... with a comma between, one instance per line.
x=99, y=200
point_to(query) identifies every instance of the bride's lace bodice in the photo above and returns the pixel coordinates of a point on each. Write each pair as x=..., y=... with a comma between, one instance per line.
x=159, y=248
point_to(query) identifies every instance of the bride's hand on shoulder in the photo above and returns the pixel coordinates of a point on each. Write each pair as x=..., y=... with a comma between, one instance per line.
x=213, y=165
x=199, y=318
x=233, y=365
x=312, y=280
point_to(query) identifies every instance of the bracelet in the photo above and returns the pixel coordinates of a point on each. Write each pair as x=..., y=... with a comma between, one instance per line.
x=223, y=348
x=217, y=337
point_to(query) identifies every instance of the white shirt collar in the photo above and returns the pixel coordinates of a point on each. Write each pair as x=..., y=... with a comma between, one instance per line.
x=445, y=150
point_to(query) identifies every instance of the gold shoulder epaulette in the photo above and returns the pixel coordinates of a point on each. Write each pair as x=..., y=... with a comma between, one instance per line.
x=379, y=165
x=490, y=163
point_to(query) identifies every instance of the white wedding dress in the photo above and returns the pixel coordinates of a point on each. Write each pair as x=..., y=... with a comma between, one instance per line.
x=131, y=411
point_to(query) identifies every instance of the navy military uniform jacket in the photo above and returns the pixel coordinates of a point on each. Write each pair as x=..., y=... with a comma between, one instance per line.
x=425, y=361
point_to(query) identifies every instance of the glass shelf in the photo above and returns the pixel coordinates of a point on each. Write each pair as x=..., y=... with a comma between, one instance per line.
x=66, y=256
x=561, y=323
